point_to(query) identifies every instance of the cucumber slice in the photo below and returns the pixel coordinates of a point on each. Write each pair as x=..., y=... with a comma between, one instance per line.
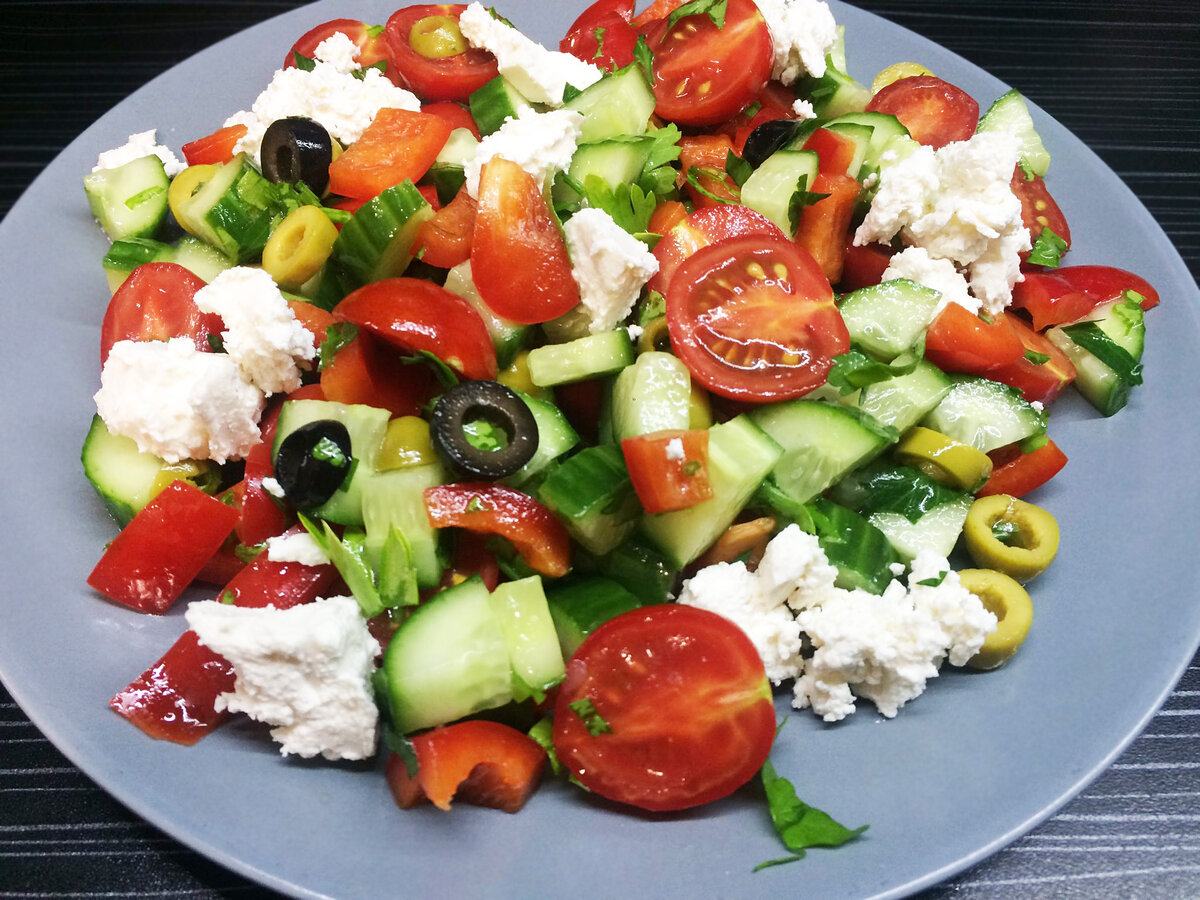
x=495, y=102
x=582, y=605
x=592, y=495
x=1010, y=113
x=861, y=135
x=130, y=200
x=833, y=94
x=233, y=211
x=586, y=357
x=205, y=261
x=937, y=530
x=1106, y=351
x=887, y=319
x=555, y=437
x=904, y=400
x=447, y=173
x=377, y=241
x=884, y=127
x=641, y=568
x=529, y=634
x=860, y=551
x=653, y=394
x=770, y=187
x=985, y=414
x=620, y=103
x=395, y=499
x=615, y=161
x=127, y=254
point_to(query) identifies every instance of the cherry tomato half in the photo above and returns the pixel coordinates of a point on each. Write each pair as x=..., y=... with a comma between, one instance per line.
x=934, y=111
x=155, y=304
x=1068, y=294
x=1041, y=372
x=438, y=64
x=367, y=38
x=602, y=35
x=701, y=228
x=1038, y=209
x=685, y=700
x=754, y=319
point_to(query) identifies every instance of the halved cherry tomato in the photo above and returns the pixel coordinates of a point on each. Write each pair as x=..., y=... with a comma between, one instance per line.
x=863, y=265
x=607, y=41
x=703, y=74
x=1105, y=283
x=934, y=111
x=685, y=701
x=397, y=145
x=156, y=303
x=754, y=319
x=539, y=537
x=1068, y=294
x=773, y=102
x=455, y=114
x=701, y=228
x=1038, y=209
x=260, y=516
x=364, y=372
x=445, y=240
x=1042, y=381
x=164, y=547
x=960, y=341
x=417, y=315
x=669, y=469
x=454, y=76
x=1016, y=473
x=215, y=148
x=707, y=153
x=518, y=256
x=656, y=11
x=822, y=226
x=368, y=39
x=477, y=761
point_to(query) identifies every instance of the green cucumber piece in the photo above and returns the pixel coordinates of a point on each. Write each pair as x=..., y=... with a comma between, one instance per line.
x=581, y=605
x=201, y=259
x=615, y=161
x=770, y=187
x=377, y=241
x=496, y=102
x=234, y=210
x=529, y=634
x=937, y=530
x=985, y=414
x=555, y=438
x=620, y=103
x=587, y=357
x=833, y=94
x=861, y=135
x=129, y=200
x=860, y=551
x=127, y=254
x=653, y=394
x=395, y=499
x=447, y=172
x=888, y=319
x=1106, y=351
x=904, y=400
x=593, y=496
x=1010, y=113
x=508, y=337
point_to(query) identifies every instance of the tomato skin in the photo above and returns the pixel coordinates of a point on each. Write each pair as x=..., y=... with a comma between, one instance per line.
x=1041, y=382
x=538, y=536
x=1066, y=295
x=1016, y=473
x=455, y=114
x=664, y=480
x=313, y=318
x=1038, y=209
x=445, y=240
x=934, y=111
x=519, y=258
x=367, y=373
x=215, y=148
x=960, y=341
x=448, y=78
x=371, y=49
x=615, y=49
x=163, y=548
x=477, y=761
x=397, y=145
x=689, y=707
x=155, y=303
x=701, y=228
x=417, y=315
x=1104, y=283
x=703, y=74
x=260, y=516
x=747, y=330
x=863, y=266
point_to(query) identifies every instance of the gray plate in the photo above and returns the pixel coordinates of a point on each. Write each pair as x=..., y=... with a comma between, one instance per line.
x=968, y=767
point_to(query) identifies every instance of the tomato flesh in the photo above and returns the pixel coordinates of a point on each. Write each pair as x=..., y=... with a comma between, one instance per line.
x=668, y=469
x=452, y=77
x=686, y=701
x=701, y=228
x=1067, y=295
x=1038, y=209
x=602, y=35
x=754, y=319
x=934, y=111
x=156, y=303
x=960, y=341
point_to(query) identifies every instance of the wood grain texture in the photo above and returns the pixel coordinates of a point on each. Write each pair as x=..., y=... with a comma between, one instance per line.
x=1124, y=77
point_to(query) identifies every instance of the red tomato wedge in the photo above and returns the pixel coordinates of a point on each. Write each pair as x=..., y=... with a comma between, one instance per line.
x=453, y=71
x=705, y=74
x=480, y=762
x=215, y=148
x=367, y=373
x=1041, y=372
x=455, y=114
x=668, y=469
x=934, y=111
x=685, y=701
x=607, y=40
x=163, y=548
x=754, y=319
x=1106, y=283
x=1016, y=473
x=518, y=255
x=701, y=228
x=1038, y=209
x=538, y=536
x=960, y=341
x=1066, y=295
x=156, y=303
x=445, y=240
x=823, y=226
x=368, y=39
x=397, y=145
x=260, y=516
x=417, y=315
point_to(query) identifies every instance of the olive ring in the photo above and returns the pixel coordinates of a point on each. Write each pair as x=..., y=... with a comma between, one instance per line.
x=313, y=462
x=491, y=402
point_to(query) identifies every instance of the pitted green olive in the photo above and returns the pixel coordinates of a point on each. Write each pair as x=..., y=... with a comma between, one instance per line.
x=1011, y=536
x=1010, y=604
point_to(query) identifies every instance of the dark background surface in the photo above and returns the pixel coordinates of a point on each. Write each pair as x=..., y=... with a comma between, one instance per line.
x=1124, y=77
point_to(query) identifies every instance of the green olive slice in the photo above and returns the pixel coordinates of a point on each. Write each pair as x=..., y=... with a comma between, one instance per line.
x=1010, y=604
x=944, y=459
x=1011, y=536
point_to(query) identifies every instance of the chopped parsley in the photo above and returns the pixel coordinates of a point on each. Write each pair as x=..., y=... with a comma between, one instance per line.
x=799, y=825
x=592, y=720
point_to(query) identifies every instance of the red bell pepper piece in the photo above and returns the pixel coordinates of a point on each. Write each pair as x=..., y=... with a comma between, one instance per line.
x=1016, y=473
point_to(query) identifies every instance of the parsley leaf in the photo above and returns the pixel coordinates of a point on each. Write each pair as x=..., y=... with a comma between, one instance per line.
x=1038, y=359
x=714, y=9
x=629, y=205
x=739, y=170
x=598, y=34
x=801, y=198
x=1048, y=249
x=854, y=369
x=935, y=580
x=644, y=57
x=799, y=825
x=337, y=336
x=592, y=720
x=303, y=62
x=361, y=74
x=216, y=343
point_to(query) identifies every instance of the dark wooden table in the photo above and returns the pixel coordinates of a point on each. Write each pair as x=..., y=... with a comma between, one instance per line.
x=1124, y=77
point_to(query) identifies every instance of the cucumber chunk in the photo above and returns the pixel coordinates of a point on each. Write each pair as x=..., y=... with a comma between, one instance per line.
x=653, y=394
x=130, y=200
x=887, y=319
x=395, y=499
x=377, y=241
x=587, y=357
x=770, y=187
x=620, y=103
x=904, y=400
x=593, y=496
x=985, y=414
x=234, y=210
x=1010, y=113
x=1106, y=351
x=529, y=634
x=581, y=605
x=495, y=102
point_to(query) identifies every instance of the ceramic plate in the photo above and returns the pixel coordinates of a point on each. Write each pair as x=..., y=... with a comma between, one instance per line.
x=965, y=769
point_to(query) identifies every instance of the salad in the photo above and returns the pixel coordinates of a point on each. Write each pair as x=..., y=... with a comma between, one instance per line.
x=794, y=340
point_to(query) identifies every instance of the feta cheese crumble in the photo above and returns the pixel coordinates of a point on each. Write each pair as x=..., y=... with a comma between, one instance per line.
x=540, y=143
x=957, y=204
x=802, y=32
x=915, y=264
x=339, y=51
x=177, y=402
x=144, y=143
x=610, y=266
x=305, y=670
x=539, y=74
x=262, y=334
x=298, y=547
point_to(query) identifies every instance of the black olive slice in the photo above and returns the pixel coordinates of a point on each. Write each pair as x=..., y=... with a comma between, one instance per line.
x=297, y=149
x=773, y=135
x=512, y=430
x=313, y=462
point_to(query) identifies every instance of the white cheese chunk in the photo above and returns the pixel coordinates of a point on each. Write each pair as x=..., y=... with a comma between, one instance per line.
x=339, y=51
x=305, y=670
x=802, y=32
x=144, y=143
x=609, y=264
x=540, y=143
x=298, y=548
x=915, y=264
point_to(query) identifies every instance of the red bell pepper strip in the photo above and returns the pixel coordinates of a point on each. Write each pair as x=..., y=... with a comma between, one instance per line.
x=1016, y=473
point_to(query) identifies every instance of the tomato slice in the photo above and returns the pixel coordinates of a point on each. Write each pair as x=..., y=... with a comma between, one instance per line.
x=703, y=74
x=669, y=469
x=445, y=240
x=686, y=702
x=1038, y=209
x=454, y=76
x=455, y=114
x=602, y=35
x=477, y=761
x=368, y=39
x=215, y=148
x=1068, y=294
x=960, y=341
x=155, y=303
x=417, y=315
x=397, y=145
x=1017, y=473
x=1042, y=377
x=701, y=228
x=538, y=536
x=934, y=111
x=754, y=319
x=864, y=265
x=518, y=255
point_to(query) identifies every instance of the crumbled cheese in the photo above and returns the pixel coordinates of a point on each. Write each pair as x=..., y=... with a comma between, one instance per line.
x=609, y=264
x=339, y=51
x=273, y=487
x=177, y=402
x=634, y=331
x=540, y=143
x=915, y=264
x=343, y=104
x=539, y=74
x=305, y=670
x=144, y=143
x=298, y=547
x=802, y=32
x=675, y=449
x=262, y=333
x=957, y=203
x=804, y=109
